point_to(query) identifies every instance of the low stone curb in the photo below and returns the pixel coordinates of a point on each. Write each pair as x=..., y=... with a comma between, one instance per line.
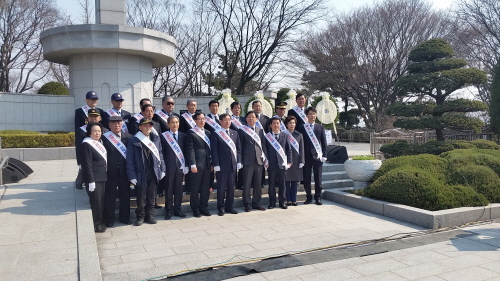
x=40, y=154
x=428, y=219
x=89, y=268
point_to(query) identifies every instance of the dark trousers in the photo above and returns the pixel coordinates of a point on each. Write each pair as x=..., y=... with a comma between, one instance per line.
x=96, y=199
x=310, y=165
x=200, y=189
x=173, y=192
x=252, y=176
x=146, y=196
x=212, y=180
x=79, y=179
x=276, y=176
x=225, y=190
x=239, y=179
x=291, y=191
x=162, y=186
x=123, y=193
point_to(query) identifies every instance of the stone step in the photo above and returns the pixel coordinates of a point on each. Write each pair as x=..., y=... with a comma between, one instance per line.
x=328, y=167
x=334, y=176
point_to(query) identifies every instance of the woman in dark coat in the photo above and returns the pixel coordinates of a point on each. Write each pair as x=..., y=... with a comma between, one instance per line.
x=294, y=173
x=94, y=172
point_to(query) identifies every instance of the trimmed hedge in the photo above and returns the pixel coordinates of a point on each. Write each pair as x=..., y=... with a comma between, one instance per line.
x=37, y=140
x=481, y=178
x=425, y=162
x=402, y=148
x=18, y=132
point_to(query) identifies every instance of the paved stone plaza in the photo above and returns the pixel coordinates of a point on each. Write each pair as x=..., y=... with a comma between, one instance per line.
x=43, y=237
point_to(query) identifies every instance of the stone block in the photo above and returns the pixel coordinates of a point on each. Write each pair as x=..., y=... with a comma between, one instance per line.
x=409, y=214
x=459, y=216
x=11, y=152
x=41, y=154
x=366, y=204
x=113, y=5
x=335, y=196
x=113, y=17
x=130, y=41
x=495, y=211
x=67, y=153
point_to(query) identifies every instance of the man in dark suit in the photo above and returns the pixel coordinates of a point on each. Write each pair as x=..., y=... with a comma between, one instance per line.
x=136, y=117
x=161, y=116
x=186, y=124
x=147, y=111
x=213, y=106
x=299, y=109
x=116, y=110
x=115, y=142
x=252, y=158
x=236, y=110
x=199, y=160
x=91, y=99
x=174, y=151
x=257, y=108
x=226, y=159
x=315, y=155
x=279, y=159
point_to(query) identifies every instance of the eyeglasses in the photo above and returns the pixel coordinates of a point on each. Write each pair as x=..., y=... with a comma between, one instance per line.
x=170, y=103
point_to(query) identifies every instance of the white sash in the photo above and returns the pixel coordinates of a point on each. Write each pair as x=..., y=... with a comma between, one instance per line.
x=117, y=143
x=149, y=144
x=162, y=115
x=236, y=121
x=169, y=137
x=226, y=138
x=258, y=124
x=97, y=145
x=292, y=141
x=201, y=134
x=153, y=130
x=189, y=119
x=276, y=145
x=314, y=140
x=85, y=109
x=300, y=112
x=282, y=124
x=111, y=112
x=213, y=124
x=84, y=128
x=255, y=137
x=138, y=117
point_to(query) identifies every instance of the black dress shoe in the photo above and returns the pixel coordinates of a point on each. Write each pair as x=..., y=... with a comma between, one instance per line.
x=78, y=185
x=271, y=206
x=127, y=222
x=260, y=208
x=168, y=216
x=248, y=208
x=288, y=203
x=109, y=224
x=196, y=214
x=318, y=201
x=205, y=213
x=294, y=203
x=161, y=194
x=139, y=221
x=151, y=220
x=100, y=228
x=283, y=206
x=157, y=206
x=308, y=201
x=232, y=211
x=179, y=214
x=220, y=213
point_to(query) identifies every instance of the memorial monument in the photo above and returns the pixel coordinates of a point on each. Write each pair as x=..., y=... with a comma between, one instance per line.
x=109, y=56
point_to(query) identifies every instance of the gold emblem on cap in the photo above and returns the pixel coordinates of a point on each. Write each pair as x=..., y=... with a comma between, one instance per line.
x=93, y=93
x=119, y=96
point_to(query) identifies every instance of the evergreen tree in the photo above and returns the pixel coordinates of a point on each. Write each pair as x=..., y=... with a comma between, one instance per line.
x=435, y=74
x=495, y=101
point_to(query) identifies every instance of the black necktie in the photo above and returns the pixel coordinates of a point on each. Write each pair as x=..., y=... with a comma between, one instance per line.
x=175, y=137
x=227, y=131
x=276, y=136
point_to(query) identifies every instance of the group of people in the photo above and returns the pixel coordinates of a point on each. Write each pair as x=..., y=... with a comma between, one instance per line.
x=157, y=150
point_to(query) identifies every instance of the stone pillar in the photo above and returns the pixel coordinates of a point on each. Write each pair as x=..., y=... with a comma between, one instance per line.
x=110, y=12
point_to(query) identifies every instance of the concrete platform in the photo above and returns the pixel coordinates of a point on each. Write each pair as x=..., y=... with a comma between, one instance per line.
x=46, y=234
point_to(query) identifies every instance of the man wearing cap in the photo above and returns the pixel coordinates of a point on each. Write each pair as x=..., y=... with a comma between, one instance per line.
x=116, y=110
x=161, y=116
x=280, y=113
x=145, y=168
x=81, y=114
x=147, y=111
x=187, y=121
x=93, y=116
x=115, y=142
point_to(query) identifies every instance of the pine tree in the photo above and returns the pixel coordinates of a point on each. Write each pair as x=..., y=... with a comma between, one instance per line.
x=495, y=101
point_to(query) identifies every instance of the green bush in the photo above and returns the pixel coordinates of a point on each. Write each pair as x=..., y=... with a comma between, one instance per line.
x=37, y=140
x=485, y=144
x=481, y=178
x=419, y=188
x=463, y=157
x=462, y=144
x=18, y=132
x=402, y=148
x=363, y=157
x=426, y=162
x=398, y=148
x=54, y=88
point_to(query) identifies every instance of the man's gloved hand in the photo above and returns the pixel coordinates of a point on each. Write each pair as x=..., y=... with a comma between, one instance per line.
x=133, y=181
x=185, y=170
x=217, y=168
x=91, y=186
x=323, y=159
x=239, y=166
x=301, y=165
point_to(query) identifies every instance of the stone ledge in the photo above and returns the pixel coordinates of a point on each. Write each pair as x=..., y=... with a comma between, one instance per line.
x=40, y=154
x=428, y=219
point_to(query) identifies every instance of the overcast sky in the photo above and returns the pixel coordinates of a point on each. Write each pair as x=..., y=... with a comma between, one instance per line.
x=72, y=7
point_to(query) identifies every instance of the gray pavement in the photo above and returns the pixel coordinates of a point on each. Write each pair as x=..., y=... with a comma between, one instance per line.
x=40, y=239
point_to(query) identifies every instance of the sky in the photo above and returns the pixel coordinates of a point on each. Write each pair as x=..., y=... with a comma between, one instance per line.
x=72, y=7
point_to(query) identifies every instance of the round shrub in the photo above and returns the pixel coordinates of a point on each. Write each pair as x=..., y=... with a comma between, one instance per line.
x=485, y=144
x=434, y=147
x=463, y=157
x=426, y=162
x=462, y=196
x=481, y=178
x=54, y=88
x=395, y=149
x=462, y=144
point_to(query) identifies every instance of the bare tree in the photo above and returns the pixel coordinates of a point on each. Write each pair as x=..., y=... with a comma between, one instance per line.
x=21, y=59
x=255, y=31
x=87, y=11
x=476, y=37
x=363, y=53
